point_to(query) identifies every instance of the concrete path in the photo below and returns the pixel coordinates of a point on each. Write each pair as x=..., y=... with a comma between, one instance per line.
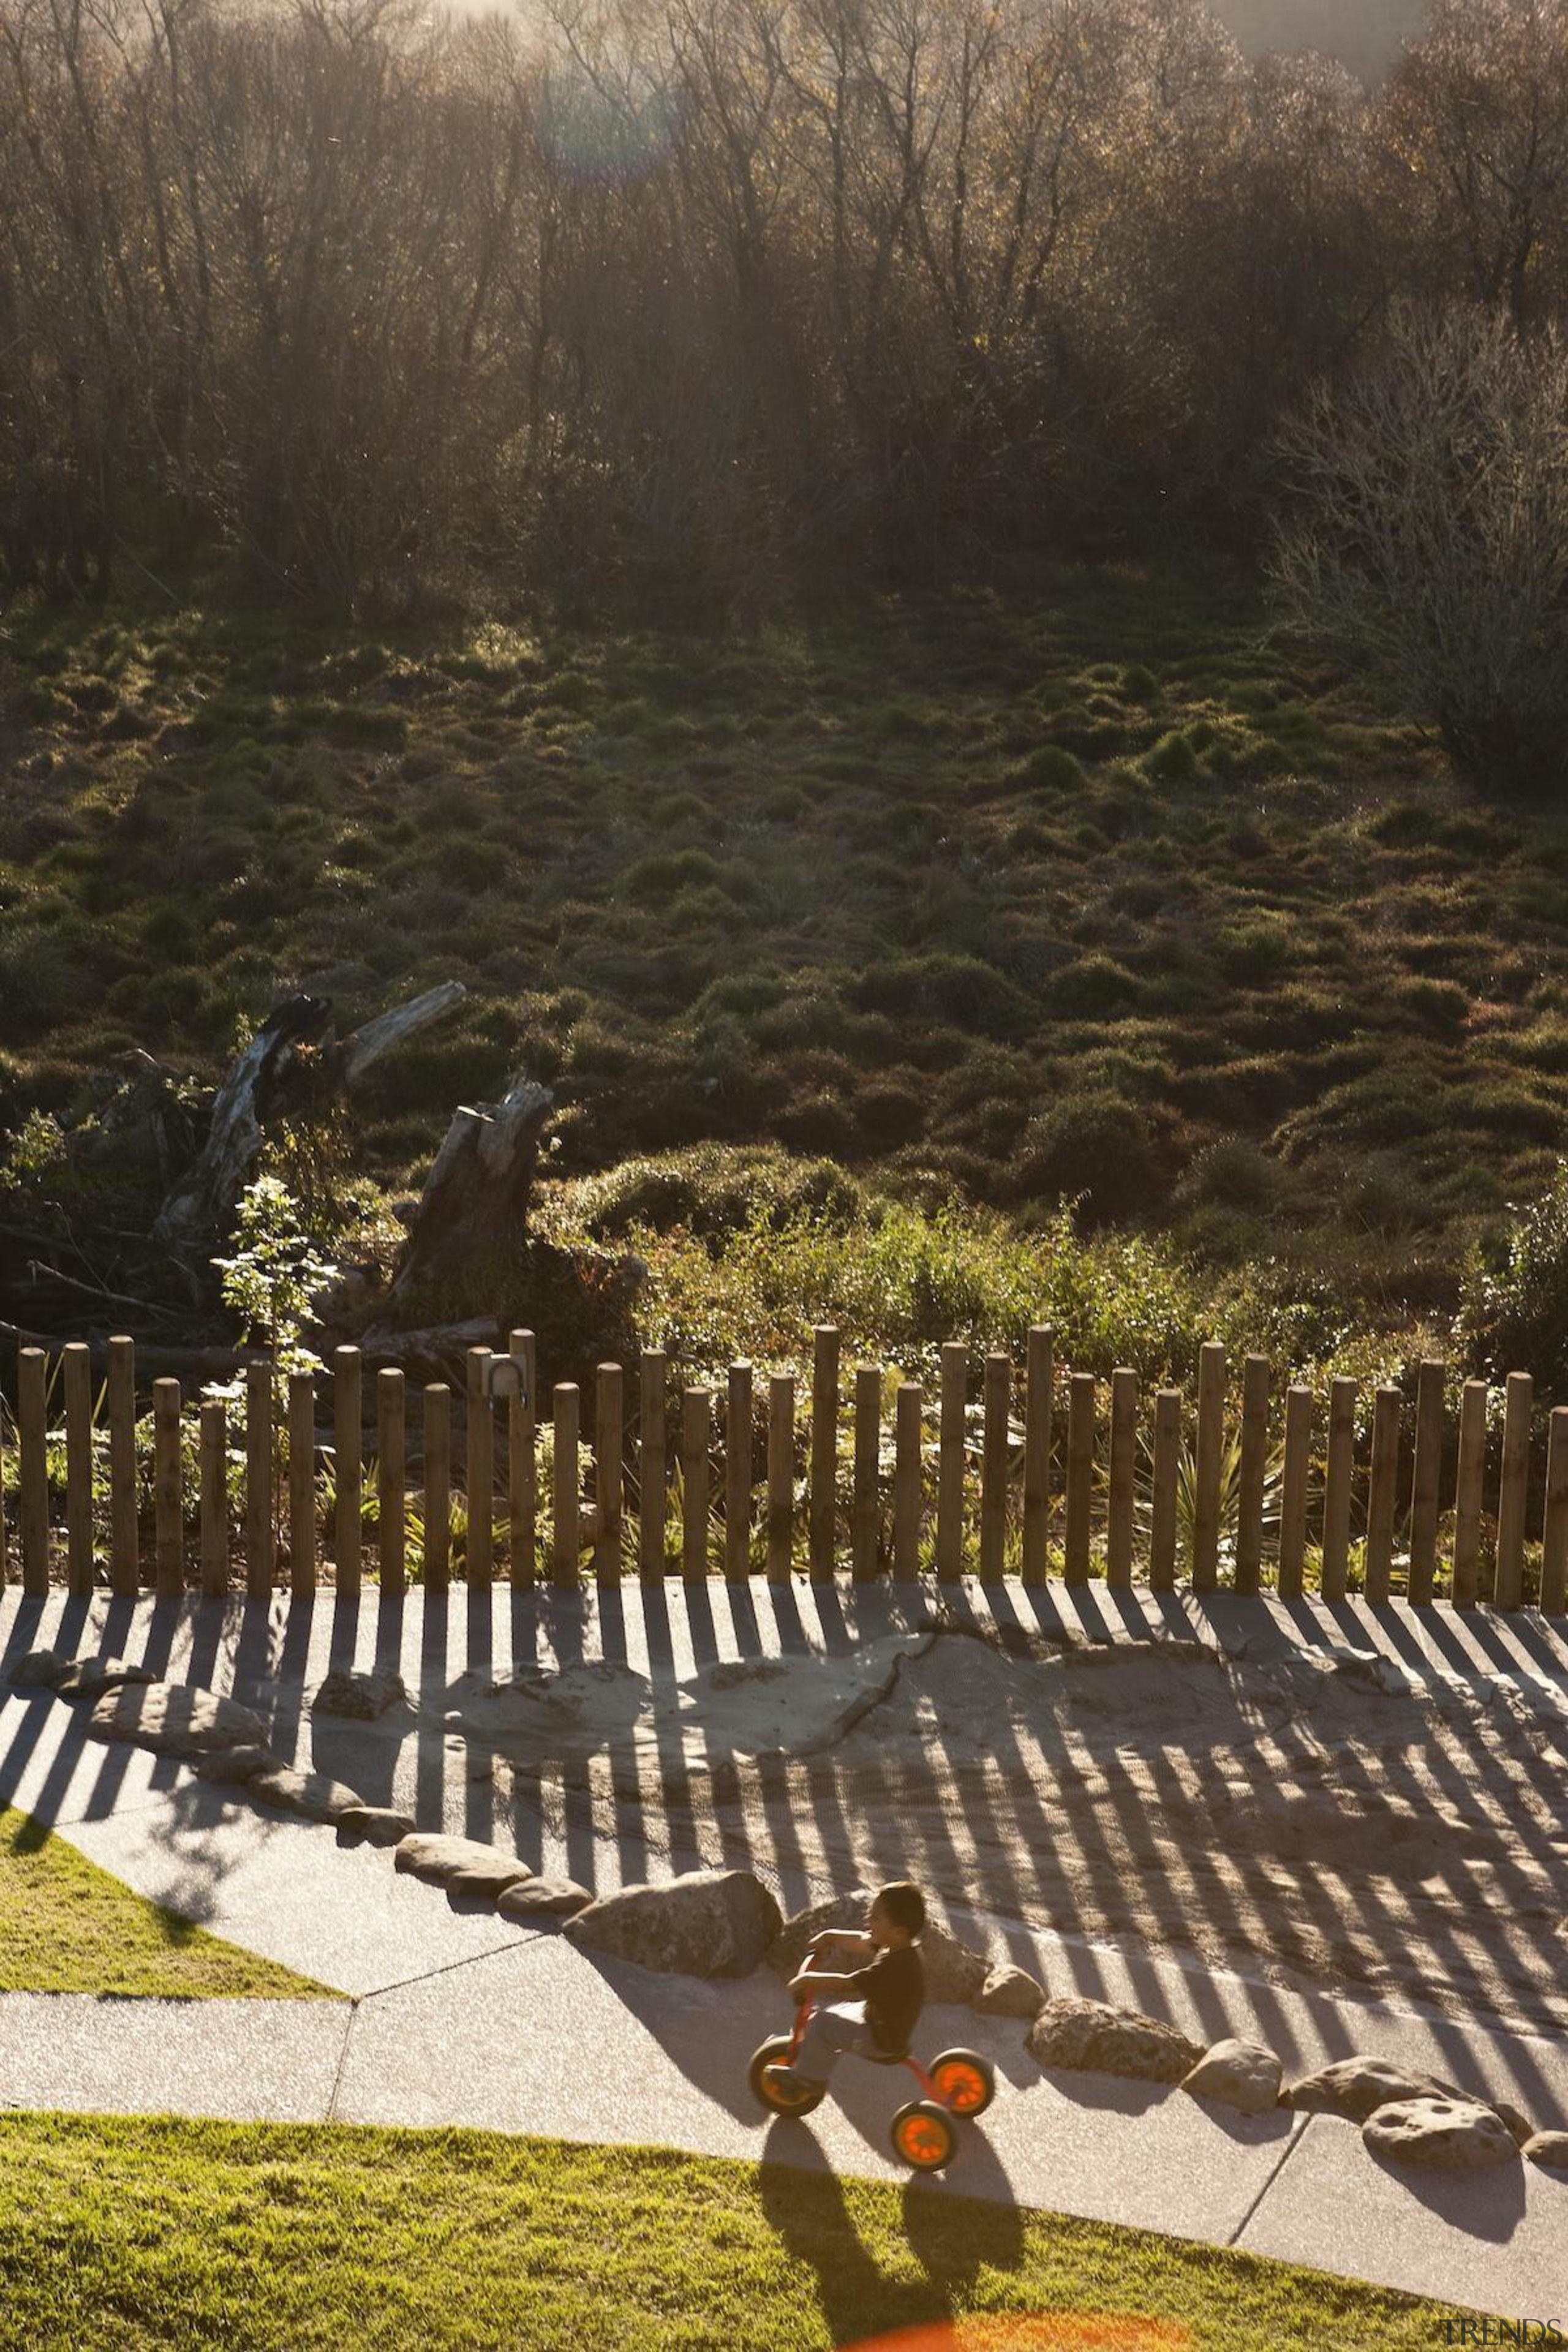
x=457, y=2019
x=538, y=2038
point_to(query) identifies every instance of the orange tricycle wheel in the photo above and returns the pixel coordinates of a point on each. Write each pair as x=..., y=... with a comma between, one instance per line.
x=776, y=2053
x=923, y=2136
x=963, y=2081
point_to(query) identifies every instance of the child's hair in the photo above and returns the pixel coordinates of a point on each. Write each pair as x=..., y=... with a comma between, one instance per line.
x=904, y=1905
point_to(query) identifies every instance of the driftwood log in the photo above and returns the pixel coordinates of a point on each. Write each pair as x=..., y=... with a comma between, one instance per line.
x=467, y=1245
x=289, y=1062
x=153, y=1361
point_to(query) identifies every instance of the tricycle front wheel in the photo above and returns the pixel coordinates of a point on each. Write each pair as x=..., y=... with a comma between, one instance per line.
x=923, y=2136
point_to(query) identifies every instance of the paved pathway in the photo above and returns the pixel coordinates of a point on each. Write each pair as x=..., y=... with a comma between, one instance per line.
x=457, y=2019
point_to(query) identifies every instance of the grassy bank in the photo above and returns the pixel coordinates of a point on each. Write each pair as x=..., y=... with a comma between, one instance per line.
x=140, y=2232
x=68, y=1927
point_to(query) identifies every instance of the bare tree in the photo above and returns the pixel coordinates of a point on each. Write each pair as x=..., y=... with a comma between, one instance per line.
x=1428, y=539
x=689, y=296
x=1475, y=120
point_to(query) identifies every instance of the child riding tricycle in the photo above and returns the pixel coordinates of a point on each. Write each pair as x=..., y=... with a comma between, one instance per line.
x=871, y=2009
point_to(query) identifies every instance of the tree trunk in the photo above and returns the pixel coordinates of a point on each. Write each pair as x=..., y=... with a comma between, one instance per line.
x=474, y=1207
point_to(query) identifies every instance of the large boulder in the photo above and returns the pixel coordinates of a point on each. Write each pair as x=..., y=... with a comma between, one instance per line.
x=1446, y=2135
x=1010, y=1992
x=705, y=1923
x=1094, y=2038
x=1356, y=2087
x=360, y=1695
x=462, y=1866
x=1240, y=2074
x=1549, y=2149
x=952, y=1972
x=176, y=1719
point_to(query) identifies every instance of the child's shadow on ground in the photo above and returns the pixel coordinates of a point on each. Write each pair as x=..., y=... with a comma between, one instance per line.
x=952, y=2231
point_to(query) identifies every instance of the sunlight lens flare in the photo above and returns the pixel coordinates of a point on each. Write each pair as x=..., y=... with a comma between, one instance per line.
x=1043, y=2331
x=613, y=127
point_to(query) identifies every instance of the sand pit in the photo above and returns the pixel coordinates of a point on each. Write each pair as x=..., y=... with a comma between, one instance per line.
x=792, y=1706
x=1281, y=1814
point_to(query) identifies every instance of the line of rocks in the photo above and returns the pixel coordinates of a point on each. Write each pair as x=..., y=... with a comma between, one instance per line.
x=226, y=1743
x=722, y=1923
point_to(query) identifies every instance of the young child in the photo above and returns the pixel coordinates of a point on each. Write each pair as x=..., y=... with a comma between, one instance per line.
x=872, y=2007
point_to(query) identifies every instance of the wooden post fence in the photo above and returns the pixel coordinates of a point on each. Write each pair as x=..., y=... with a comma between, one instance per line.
x=77, y=1361
x=781, y=1477
x=1395, y=1473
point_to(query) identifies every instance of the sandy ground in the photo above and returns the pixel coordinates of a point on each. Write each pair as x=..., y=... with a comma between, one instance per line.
x=1292, y=1815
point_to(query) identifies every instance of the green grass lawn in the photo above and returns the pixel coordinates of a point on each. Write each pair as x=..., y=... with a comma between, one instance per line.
x=134, y=2232
x=68, y=1927
x=1093, y=891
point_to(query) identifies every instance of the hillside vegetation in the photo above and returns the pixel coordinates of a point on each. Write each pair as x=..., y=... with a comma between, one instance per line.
x=1089, y=893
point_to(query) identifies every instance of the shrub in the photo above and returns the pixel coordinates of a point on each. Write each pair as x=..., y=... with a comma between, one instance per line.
x=946, y=988
x=1172, y=759
x=1428, y=540
x=1094, y=987
x=1052, y=768
x=1513, y=1312
x=1232, y=1174
x=1097, y=1148
x=900, y=1279
x=654, y=880
x=711, y=1190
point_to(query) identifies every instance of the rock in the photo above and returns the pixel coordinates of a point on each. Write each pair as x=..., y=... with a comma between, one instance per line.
x=91, y=1677
x=1010, y=1992
x=489, y=1881
x=176, y=1719
x=231, y=1766
x=38, y=1669
x=1091, y=2035
x=1371, y=1669
x=706, y=1923
x=377, y=1825
x=314, y=1796
x=363, y=1697
x=463, y=1865
x=1356, y=2087
x=1446, y=2135
x=1549, y=2148
x=952, y=1972
x=540, y=1897
x=1241, y=2074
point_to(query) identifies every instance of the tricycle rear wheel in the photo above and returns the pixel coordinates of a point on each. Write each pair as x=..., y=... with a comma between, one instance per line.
x=776, y=2053
x=963, y=2081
